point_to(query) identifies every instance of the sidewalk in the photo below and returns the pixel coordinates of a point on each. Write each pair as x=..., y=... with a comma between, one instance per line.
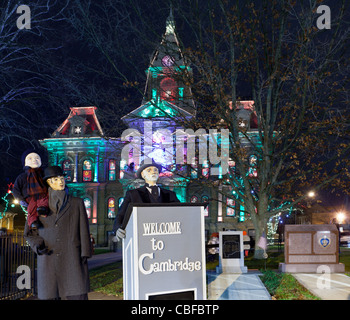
x=102, y=259
x=241, y=286
x=333, y=286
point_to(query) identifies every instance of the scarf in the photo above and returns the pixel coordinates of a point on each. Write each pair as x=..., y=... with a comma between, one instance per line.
x=35, y=183
x=57, y=199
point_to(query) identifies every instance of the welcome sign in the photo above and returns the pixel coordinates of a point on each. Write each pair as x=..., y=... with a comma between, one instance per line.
x=164, y=252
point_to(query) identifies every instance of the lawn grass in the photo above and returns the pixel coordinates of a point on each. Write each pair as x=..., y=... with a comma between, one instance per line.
x=344, y=257
x=108, y=279
x=283, y=286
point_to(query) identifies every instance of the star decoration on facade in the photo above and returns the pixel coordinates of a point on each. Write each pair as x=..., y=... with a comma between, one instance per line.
x=77, y=130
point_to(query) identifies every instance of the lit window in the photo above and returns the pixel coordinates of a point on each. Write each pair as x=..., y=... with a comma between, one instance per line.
x=87, y=203
x=241, y=213
x=111, y=208
x=230, y=207
x=123, y=168
x=111, y=170
x=194, y=199
x=205, y=199
x=252, y=172
x=205, y=169
x=67, y=170
x=87, y=171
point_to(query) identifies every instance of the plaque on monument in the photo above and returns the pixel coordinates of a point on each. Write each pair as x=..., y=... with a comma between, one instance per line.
x=308, y=247
x=231, y=257
x=231, y=246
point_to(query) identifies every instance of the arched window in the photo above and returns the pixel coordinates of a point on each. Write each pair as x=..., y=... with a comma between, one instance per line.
x=205, y=169
x=252, y=172
x=120, y=201
x=194, y=199
x=205, y=199
x=67, y=170
x=87, y=170
x=123, y=167
x=230, y=207
x=111, y=170
x=87, y=203
x=194, y=168
x=111, y=208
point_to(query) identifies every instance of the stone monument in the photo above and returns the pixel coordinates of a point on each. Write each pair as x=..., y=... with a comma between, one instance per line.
x=231, y=252
x=311, y=248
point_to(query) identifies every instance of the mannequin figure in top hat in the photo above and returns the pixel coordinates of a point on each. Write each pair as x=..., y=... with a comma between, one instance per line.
x=62, y=244
x=30, y=189
x=149, y=193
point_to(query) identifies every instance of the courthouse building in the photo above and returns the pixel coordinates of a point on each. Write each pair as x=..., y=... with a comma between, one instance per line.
x=97, y=172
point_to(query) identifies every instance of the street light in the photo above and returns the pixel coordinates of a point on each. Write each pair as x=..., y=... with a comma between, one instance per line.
x=340, y=217
x=311, y=194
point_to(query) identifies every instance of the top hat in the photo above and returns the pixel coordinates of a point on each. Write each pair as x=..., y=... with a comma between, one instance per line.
x=144, y=166
x=53, y=171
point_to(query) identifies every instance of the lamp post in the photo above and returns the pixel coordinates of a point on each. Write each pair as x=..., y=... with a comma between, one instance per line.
x=340, y=219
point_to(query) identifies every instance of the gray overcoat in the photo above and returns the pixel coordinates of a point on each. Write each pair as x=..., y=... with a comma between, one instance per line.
x=64, y=272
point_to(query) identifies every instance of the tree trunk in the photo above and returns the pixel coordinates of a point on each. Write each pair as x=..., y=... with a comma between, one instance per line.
x=260, y=226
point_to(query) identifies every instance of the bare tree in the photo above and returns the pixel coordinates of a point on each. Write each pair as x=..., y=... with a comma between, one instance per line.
x=297, y=76
x=270, y=51
x=24, y=88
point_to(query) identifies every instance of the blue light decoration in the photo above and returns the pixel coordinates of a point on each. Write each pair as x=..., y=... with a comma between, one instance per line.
x=160, y=152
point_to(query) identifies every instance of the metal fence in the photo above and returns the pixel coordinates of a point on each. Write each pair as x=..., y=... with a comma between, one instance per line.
x=17, y=267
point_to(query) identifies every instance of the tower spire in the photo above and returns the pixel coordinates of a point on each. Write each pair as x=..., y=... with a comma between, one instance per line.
x=170, y=23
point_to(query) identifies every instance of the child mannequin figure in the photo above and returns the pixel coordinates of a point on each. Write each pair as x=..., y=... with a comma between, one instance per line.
x=31, y=190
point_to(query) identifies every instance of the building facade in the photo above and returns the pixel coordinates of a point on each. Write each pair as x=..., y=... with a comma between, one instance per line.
x=100, y=170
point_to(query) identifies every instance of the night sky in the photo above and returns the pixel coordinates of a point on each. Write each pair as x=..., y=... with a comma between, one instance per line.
x=54, y=66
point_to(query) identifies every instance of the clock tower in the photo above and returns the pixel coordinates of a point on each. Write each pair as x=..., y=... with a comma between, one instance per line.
x=169, y=74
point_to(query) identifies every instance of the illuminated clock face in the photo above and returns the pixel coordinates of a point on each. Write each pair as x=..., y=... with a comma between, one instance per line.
x=168, y=61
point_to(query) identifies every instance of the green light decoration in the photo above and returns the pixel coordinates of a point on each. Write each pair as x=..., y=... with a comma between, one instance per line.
x=181, y=94
x=158, y=109
x=7, y=201
x=154, y=94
